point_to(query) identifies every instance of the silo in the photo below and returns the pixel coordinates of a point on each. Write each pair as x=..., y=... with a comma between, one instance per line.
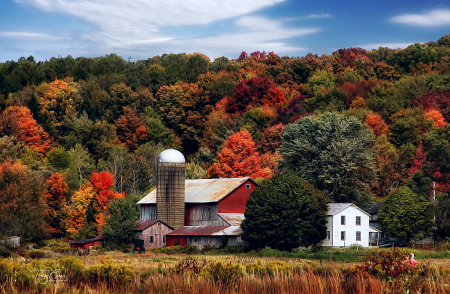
x=170, y=188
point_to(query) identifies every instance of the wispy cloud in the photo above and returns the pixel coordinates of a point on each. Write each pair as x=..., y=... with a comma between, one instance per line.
x=433, y=18
x=27, y=36
x=124, y=25
x=309, y=16
x=388, y=45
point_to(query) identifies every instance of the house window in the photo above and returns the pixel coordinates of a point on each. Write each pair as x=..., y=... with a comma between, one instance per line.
x=248, y=186
x=358, y=220
x=374, y=217
x=342, y=235
x=151, y=239
x=164, y=239
x=358, y=236
x=342, y=219
x=328, y=235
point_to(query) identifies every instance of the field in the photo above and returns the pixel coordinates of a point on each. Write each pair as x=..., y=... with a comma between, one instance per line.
x=267, y=271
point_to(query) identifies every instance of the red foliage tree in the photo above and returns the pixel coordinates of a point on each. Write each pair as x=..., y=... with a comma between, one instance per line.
x=291, y=112
x=131, y=131
x=248, y=94
x=433, y=100
x=377, y=124
x=18, y=122
x=274, y=98
x=347, y=56
x=360, y=89
x=55, y=197
x=238, y=159
x=418, y=160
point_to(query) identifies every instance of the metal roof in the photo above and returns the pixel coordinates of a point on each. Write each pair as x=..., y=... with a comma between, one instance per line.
x=171, y=156
x=207, y=231
x=148, y=223
x=204, y=190
x=335, y=208
x=234, y=219
x=85, y=241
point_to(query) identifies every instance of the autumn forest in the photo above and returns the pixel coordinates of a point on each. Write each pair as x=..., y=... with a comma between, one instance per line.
x=78, y=133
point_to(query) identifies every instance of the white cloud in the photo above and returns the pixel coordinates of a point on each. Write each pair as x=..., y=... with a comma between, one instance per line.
x=27, y=36
x=388, y=45
x=326, y=15
x=141, y=25
x=432, y=18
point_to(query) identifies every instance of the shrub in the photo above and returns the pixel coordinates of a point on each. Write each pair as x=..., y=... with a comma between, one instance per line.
x=189, y=265
x=36, y=253
x=223, y=274
x=272, y=268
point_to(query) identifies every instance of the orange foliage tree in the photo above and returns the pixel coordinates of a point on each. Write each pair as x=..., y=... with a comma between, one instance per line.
x=238, y=159
x=418, y=160
x=437, y=117
x=271, y=138
x=377, y=124
x=102, y=184
x=131, y=131
x=76, y=212
x=55, y=197
x=18, y=122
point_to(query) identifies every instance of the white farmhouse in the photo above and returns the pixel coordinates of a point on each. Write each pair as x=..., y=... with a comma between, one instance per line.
x=348, y=225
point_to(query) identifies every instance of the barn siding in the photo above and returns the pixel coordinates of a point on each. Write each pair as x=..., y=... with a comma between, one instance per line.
x=204, y=215
x=157, y=232
x=148, y=211
x=236, y=201
x=173, y=240
x=202, y=241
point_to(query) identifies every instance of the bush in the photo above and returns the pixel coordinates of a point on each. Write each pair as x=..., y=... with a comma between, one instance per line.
x=36, y=253
x=189, y=265
x=223, y=274
x=176, y=249
x=273, y=268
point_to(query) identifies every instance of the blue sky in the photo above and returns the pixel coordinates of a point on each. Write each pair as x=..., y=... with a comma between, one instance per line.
x=145, y=28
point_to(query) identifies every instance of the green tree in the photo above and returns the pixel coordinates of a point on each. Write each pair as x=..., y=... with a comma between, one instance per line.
x=321, y=79
x=334, y=153
x=283, y=213
x=123, y=216
x=406, y=215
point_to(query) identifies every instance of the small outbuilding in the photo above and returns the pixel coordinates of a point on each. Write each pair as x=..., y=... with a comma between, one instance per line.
x=87, y=244
x=153, y=232
x=201, y=236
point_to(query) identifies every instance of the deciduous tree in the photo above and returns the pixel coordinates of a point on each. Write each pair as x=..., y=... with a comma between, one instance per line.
x=55, y=197
x=283, y=213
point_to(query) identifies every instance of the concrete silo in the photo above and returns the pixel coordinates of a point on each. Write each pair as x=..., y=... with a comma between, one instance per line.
x=170, y=188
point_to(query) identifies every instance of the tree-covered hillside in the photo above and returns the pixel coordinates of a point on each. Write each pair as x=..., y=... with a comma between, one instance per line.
x=86, y=131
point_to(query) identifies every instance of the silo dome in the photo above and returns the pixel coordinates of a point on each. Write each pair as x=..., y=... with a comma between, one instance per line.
x=171, y=156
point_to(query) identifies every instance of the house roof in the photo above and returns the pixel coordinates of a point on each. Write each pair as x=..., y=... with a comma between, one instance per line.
x=148, y=223
x=207, y=231
x=204, y=190
x=335, y=208
x=374, y=209
x=234, y=219
x=85, y=241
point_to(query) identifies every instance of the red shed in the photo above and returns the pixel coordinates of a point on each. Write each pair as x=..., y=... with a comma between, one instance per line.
x=86, y=244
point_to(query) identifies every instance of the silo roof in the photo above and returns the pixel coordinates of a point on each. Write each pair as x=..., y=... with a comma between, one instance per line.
x=204, y=190
x=171, y=156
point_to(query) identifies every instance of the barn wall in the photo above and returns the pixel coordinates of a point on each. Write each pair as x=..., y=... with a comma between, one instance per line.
x=148, y=211
x=236, y=201
x=202, y=241
x=84, y=246
x=204, y=215
x=157, y=232
x=172, y=240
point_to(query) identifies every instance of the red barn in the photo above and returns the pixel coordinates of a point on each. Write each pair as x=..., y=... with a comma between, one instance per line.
x=209, y=202
x=86, y=244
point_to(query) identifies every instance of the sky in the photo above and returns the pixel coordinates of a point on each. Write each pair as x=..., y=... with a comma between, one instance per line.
x=141, y=29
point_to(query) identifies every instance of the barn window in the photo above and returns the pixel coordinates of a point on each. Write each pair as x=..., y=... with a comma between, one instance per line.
x=151, y=239
x=358, y=236
x=159, y=225
x=358, y=220
x=342, y=235
x=342, y=219
x=195, y=239
x=248, y=186
x=328, y=235
x=164, y=239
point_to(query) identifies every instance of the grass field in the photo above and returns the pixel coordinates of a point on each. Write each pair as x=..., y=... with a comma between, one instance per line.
x=267, y=271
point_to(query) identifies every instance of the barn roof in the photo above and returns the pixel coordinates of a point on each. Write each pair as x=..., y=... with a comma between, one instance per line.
x=207, y=231
x=85, y=241
x=148, y=223
x=204, y=190
x=335, y=208
x=234, y=219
